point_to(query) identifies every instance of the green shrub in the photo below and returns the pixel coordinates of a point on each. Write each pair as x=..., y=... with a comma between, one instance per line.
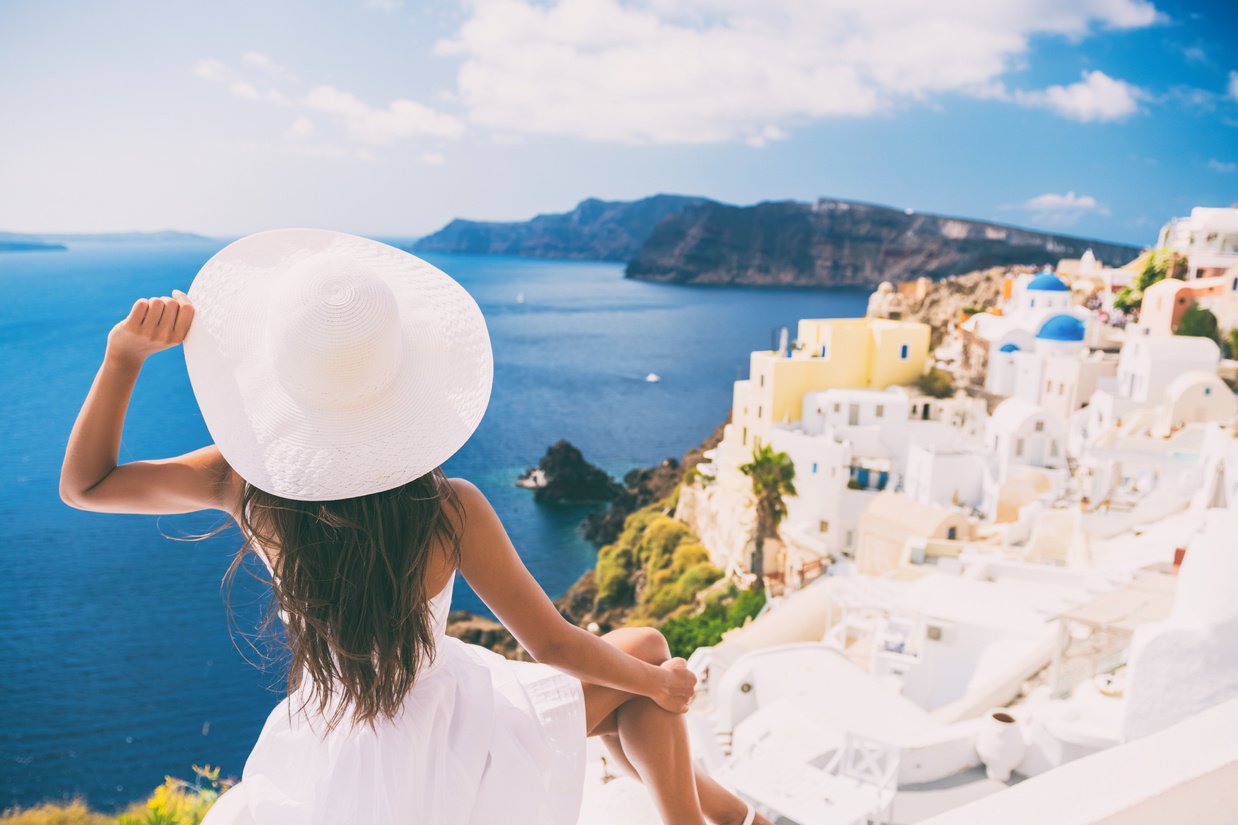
x=936, y=383
x=1128, y=300
x=661, y=553
x=704, y=628
x=1200, y=323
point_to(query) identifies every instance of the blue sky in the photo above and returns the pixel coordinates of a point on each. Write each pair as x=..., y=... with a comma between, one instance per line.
x=1093, y=117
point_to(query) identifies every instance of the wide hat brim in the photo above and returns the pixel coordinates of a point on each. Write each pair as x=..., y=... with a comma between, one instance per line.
x=271, y=437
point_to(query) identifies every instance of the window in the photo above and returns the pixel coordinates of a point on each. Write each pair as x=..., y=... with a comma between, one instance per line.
x=1053, y=449
x=1234, y=286
x=762, y=379
x=1040, y=426
x=880, y=410
x=1207, y=390
x=824, y=526
x=823, y=350
x=759, y=410
x=904, y=352
x=745, y=438
x=952, y=533
x=1018, y=447
x=838, y=407
x=814, y=468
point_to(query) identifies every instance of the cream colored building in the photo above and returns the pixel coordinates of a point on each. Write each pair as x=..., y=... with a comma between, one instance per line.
x=891, y=520
x=1165, y=302
x=1198, y=396
x=829, y=353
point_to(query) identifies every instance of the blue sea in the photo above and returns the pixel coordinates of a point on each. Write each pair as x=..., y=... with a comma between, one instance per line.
x=117, y=662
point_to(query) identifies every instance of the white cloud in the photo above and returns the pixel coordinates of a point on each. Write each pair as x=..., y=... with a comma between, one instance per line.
x=383, y=5
x=1052, y=208
x=432, y=158
x=1097, y=97
x=1195, y=54
x=264, y=61
x=1222, y=166
x=301, y=128
x=1233, y=85
x=400, y=119
x=217, y=71
x=701, y=71
x=212, y=70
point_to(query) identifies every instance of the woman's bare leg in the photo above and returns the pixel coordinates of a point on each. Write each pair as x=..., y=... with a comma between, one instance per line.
x=720, y=805
x=662, y=757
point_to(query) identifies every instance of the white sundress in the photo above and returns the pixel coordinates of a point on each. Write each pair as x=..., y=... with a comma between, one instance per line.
x=480, y=740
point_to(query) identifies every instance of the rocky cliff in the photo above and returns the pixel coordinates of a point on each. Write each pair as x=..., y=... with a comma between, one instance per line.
x=839, y=243
x=595, y=230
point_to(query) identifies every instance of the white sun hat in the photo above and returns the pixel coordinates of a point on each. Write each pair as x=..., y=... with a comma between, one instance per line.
x=329, y=366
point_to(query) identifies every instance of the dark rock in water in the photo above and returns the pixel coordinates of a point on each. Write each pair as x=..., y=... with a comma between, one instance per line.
x=641, y=487
x=563, y=476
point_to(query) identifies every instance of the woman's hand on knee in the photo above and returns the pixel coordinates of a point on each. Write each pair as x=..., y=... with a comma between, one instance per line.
x=678, y=686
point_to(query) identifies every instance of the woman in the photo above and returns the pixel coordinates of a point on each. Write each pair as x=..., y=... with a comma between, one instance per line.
x=335, y=375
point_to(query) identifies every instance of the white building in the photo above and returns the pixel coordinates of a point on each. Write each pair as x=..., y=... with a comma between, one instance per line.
x=849, y=445
x=1208, y=239
x=1017, y=371
x=1021, y=433
x=1147, y=366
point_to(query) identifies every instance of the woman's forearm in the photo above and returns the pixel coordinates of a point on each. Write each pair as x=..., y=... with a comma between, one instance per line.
x=590, y=659
x=94, y=443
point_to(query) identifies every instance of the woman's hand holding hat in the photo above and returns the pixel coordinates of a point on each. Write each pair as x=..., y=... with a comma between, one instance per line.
x=153, y=324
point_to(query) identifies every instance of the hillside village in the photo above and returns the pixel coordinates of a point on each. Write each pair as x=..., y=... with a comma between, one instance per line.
x=998, y=554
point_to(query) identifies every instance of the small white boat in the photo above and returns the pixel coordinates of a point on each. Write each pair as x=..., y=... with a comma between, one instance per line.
x=653, y=378
x=520, y=297
x=534, y=480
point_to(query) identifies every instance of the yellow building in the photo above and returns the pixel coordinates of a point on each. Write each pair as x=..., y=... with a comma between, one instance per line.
x=829, y=353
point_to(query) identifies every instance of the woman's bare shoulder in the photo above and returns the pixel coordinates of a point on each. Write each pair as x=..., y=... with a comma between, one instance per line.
x=474, y=512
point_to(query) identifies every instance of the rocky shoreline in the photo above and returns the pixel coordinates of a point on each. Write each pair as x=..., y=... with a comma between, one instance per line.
x=563, y=467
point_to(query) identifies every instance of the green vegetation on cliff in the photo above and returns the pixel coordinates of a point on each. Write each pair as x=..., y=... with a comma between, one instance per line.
x=657, y=565
x=723, y=610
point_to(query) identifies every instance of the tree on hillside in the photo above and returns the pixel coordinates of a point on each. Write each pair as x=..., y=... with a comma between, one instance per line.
x=773, y=476
x=1200, y=323
x=1159, y=265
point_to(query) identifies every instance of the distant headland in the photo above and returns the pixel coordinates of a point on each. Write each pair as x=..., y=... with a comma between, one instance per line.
x=693, y=240
x=58, y=242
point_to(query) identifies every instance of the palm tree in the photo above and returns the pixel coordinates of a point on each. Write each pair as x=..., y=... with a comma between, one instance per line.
x=773, y=476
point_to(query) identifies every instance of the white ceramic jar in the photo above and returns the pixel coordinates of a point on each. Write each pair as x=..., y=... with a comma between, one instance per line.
x=1000, y=745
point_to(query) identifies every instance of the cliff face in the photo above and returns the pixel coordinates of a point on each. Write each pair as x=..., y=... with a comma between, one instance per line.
x=594, y=230
x=839, y=243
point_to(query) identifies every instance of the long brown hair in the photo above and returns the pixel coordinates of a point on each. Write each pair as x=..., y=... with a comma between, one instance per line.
x=350, y=585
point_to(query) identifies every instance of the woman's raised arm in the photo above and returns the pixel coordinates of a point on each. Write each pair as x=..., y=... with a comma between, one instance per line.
x=494, y=570
x=90, y=478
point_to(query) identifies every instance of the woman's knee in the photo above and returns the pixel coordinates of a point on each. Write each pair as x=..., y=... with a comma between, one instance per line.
x=645, y=643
